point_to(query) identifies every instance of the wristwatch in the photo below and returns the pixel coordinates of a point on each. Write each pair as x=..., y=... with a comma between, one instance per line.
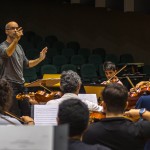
x=142, y=110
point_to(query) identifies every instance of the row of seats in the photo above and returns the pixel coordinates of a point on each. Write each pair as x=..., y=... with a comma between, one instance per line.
x=84, y=52
x=76, y=60
x=71, y=53
x=87, y=72
x=33, y=43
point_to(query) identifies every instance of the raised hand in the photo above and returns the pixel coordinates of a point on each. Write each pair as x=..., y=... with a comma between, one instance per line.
x=43, y=53
x=18, y=33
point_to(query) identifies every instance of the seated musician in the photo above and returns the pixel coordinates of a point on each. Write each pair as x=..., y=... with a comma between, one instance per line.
x=70, y=83
x=135, y=113
x=6, y=94
x=143, y=102
x=75, y=113
x=116, y=131
x=142, y=91
x=110, y=70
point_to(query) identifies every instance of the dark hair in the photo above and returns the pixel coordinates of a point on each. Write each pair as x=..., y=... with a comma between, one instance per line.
x=108, y=65
x=69, y=81
x=115, y=96
x=76, y=114
x=6, y=93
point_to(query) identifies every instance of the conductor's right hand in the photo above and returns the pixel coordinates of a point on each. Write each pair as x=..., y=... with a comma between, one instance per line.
x=18, y=33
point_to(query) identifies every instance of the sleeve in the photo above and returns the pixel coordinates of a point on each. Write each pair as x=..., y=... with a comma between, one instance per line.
x=93, y=106
x=144, y=129
x=139, y=103
x=3, y=53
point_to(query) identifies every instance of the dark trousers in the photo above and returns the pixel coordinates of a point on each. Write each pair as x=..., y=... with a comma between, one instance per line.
x=19, y=107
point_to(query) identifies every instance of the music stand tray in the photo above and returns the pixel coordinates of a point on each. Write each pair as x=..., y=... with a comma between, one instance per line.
x=45, y=82
x=94, y=89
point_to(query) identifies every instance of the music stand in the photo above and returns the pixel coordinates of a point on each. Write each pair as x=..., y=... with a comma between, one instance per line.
x=43, y=82
x=94, y=89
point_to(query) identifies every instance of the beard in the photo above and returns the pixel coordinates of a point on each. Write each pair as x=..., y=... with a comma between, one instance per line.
x=12, y=36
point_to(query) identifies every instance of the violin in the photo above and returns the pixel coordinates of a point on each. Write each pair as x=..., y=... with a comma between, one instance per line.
x=21, y=96
x=40, y=96
x=135, y=94
x=114, y=78
x=143, y=89
x=95, y=116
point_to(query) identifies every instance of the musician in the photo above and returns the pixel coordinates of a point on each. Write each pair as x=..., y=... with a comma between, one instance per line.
x=116, y=131
x=135, y=113
x=70, y=83
x=110, y=70
x=141, y=91
x=75, y=113
x=13, y=61
x=6, y=93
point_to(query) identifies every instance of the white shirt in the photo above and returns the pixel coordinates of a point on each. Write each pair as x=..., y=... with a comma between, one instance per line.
x=91, y=106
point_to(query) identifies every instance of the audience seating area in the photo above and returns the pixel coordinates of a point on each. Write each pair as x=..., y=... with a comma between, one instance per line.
x=65, y=56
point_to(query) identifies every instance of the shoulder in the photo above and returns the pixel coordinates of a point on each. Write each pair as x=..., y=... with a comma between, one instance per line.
x=3, y=45
x=101, y=147
x=144, y=97
x=91, y=133
x=78, y=145
x=6, y=120
x=119, y=82
x=54, y=101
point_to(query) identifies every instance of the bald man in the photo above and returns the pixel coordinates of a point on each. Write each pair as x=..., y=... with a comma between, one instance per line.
x=13, y=61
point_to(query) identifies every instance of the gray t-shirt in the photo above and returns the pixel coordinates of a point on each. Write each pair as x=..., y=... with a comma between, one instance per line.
x=12, y=67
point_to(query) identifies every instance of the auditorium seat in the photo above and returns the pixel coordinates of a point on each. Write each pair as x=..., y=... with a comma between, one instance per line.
x=88, y=73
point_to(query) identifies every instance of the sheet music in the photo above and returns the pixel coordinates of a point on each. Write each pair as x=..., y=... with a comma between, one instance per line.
x=89, y=97
x=45, y=114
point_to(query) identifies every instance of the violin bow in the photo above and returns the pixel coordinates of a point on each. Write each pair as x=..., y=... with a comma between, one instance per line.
x=131, y=83
x=116, y=73
x=45, y=88
x=8, y=113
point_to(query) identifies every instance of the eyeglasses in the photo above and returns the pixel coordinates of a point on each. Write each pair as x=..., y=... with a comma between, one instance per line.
x=12, y=28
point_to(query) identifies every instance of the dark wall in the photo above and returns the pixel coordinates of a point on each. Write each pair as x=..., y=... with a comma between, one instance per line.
x=116, y=31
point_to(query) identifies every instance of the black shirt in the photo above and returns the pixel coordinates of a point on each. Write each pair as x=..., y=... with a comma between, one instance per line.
x=118, y=133
x=78, y=145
